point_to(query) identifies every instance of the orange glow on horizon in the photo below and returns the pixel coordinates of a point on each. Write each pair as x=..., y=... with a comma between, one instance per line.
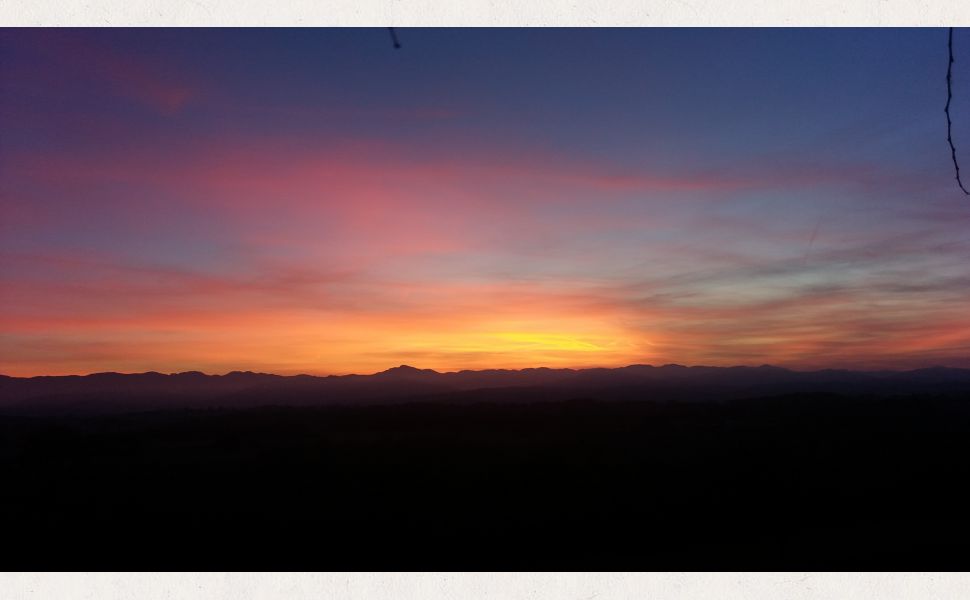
x=174, y=211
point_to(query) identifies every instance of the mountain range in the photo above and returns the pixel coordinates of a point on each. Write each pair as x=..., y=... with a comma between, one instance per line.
x=118, y=392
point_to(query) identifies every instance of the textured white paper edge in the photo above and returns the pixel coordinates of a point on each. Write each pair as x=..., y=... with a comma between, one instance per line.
x=498, y=586
x=409, y=13
x=491, y=586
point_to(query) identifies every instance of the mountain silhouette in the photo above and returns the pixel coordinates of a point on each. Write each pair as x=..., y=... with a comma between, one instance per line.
x=406, y=371
x=118, y=392
x=638, y=468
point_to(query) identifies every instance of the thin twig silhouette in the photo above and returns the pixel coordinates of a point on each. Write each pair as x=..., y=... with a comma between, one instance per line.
x=949, y=124
x=394, y=40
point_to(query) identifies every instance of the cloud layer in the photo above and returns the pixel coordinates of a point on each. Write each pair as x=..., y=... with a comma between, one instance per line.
x=207, y=200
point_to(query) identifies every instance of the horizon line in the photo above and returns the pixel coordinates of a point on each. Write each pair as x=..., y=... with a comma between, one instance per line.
x=437, y=372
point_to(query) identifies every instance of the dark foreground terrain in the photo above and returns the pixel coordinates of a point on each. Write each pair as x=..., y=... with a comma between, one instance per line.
x=794, y=481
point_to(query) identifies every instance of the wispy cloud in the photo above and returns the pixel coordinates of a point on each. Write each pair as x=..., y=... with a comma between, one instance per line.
x=187, y=209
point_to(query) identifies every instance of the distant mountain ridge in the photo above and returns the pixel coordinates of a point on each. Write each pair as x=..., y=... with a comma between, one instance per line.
x=193, y=389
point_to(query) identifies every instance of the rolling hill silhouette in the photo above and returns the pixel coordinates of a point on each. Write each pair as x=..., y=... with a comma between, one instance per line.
x=116, y=392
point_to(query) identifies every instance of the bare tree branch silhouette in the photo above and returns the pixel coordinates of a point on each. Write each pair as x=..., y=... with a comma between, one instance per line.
x=949, y=123
x=394, y=40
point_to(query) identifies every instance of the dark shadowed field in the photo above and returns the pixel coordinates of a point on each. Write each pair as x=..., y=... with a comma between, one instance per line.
x=798, y=481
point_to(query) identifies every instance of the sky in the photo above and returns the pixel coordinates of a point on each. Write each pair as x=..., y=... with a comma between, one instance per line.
x=316, y=201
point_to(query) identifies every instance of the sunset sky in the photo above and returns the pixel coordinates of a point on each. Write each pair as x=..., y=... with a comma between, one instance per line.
x=315, y=201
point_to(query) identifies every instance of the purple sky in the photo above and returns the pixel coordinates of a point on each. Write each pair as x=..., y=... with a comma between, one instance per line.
x=312, y=200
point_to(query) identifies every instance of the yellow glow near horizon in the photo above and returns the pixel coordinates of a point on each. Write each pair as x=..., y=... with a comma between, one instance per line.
x=547, y=341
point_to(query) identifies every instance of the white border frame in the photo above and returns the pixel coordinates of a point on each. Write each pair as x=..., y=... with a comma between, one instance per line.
x=498, y=586
x=491, y=13
x=491, y=586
